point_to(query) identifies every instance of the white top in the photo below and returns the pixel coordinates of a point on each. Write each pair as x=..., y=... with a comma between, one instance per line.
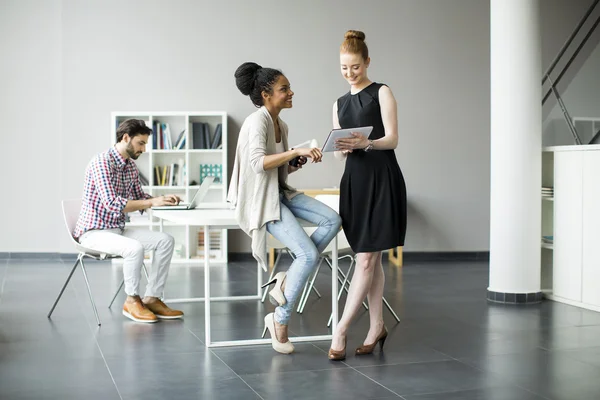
x=253, y=191
x=279, y=147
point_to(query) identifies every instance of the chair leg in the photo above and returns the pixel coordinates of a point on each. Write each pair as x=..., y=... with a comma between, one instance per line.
x=117, y=292
x=346, y=276
x=123, y=284
x=87, y=283
x=65, y=285
x=304, y=293
x=145, y=272
x=390, y=308
x=311, y=286
x=264, y=296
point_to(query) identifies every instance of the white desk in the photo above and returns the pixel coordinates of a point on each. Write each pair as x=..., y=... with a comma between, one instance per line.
x=223, y=218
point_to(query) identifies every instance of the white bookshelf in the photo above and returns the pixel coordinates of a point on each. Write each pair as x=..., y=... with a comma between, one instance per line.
x=187, y=237
x=571, y=264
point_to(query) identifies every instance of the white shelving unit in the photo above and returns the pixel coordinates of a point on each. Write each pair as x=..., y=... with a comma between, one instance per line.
x=188, y=238
x=571, y=265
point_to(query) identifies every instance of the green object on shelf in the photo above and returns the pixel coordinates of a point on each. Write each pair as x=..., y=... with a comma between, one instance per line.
x=215, y=170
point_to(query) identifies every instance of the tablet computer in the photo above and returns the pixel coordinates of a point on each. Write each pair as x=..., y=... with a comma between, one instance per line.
x=329, y=144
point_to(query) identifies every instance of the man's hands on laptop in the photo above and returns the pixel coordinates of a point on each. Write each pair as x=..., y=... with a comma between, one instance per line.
x=165, y=200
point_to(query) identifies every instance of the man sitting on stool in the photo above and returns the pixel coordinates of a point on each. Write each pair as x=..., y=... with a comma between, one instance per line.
x=112, y=188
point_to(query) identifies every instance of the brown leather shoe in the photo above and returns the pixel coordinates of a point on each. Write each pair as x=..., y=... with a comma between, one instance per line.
x=368, y=348
x=162, y=311
x=137, y=312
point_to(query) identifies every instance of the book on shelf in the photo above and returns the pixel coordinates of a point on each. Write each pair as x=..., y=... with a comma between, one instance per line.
x=170, y=175
x=202, y=138
x=547, y=191
x=162, y=139
x=217, y=138
x=548, y=239
x=180, y=142
x=215, y=242
x=198, y=135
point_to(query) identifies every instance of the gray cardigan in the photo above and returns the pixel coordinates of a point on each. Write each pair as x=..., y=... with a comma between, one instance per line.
x=253, y=191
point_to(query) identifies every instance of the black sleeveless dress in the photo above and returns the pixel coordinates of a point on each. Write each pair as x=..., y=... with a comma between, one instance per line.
x=372, y=190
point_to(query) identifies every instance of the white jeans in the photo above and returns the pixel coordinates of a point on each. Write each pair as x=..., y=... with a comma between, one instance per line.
x=131, y=244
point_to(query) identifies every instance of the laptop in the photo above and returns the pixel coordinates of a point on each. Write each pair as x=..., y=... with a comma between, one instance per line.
x=200, y=194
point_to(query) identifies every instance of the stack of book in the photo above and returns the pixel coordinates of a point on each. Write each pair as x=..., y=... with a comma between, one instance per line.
x=547, y=191
x=202, y=138
x=161, y=138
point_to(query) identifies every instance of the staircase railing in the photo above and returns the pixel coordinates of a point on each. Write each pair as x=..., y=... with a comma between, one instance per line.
x=561, y=53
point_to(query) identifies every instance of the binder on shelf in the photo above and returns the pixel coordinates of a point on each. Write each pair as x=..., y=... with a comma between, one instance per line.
x=217, y=139
x=197, y=135
x=206, y=131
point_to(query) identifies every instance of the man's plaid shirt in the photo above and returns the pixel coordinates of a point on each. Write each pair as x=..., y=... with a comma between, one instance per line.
x=110, y=180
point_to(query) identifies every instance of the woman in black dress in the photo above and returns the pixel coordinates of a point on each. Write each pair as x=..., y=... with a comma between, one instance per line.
x=372, y=190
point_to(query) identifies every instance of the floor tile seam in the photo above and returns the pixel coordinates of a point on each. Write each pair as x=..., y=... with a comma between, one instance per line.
x=352, y=368
x=578, y=360
x=302, y=370
x=92, y=330
x=108, y=369
x=402, y=363
x=378, y=383
x=570, y=350
x=405, y=363
x=484, y=371
x=227, y=365
x=474, y=388
x=597, y=325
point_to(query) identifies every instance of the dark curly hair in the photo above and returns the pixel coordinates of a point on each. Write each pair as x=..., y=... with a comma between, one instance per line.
x=252, y=79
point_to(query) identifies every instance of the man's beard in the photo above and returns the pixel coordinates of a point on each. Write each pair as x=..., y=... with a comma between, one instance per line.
x=132, y=152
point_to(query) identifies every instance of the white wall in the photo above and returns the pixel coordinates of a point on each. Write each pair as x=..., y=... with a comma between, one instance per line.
x=30, y=115
x=92, y=58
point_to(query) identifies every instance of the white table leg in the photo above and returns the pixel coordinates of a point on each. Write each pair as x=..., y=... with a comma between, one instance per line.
x=259, y=272
x=334, y=284
x=207, y=286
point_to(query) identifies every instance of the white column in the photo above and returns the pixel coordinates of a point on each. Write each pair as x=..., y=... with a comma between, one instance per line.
x=516, y=137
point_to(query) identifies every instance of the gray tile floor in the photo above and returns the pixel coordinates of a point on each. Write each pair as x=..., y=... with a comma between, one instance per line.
x=451, y=344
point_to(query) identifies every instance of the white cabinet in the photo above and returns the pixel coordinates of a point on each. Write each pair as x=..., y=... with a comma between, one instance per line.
x=567, y=225
x=591, y=228
x=575, y=225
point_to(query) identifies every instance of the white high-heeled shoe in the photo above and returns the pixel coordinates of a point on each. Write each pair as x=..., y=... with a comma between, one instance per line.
x=276, y=296
x=283, y=348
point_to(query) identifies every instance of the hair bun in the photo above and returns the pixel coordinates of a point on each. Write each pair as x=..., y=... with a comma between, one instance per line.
x=245, y=76
x=354, y=35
